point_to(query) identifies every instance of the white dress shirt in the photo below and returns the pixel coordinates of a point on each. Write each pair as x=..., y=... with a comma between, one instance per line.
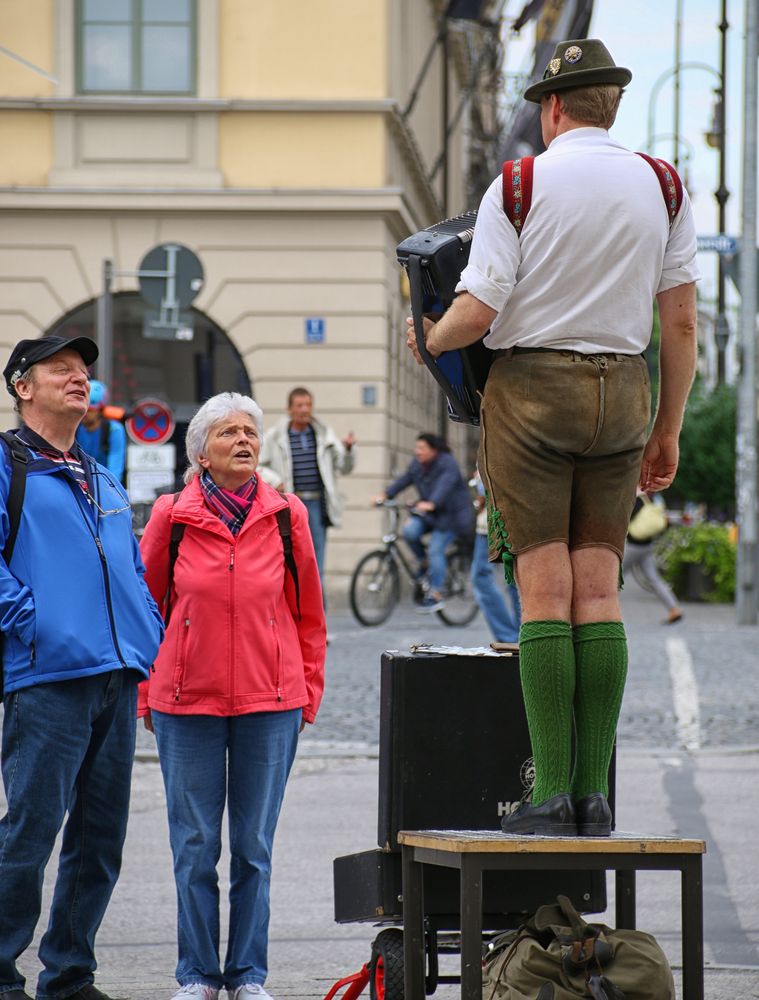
x=595, y=249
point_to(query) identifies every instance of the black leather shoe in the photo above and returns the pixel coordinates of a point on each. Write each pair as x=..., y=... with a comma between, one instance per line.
x=593, y=816
x=553, y=818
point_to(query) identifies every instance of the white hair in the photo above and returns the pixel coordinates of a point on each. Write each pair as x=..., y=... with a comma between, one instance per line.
x=211, y=412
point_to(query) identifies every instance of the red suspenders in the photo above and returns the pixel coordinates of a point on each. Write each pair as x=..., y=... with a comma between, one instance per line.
x=517, y=188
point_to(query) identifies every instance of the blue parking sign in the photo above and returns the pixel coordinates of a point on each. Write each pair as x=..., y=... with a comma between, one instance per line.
x=314, y=330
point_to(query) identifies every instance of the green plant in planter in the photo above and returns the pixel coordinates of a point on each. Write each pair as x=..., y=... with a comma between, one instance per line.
x=687, y=552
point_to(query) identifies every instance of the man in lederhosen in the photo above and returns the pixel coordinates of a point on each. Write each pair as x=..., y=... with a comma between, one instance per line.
x=569, y=302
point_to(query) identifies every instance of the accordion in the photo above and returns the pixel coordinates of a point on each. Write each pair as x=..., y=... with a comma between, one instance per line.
x=434, y=259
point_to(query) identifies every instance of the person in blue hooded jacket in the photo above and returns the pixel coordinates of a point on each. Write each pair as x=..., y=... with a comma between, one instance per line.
x=79, y=630
x=444, y=511
x=102, y=438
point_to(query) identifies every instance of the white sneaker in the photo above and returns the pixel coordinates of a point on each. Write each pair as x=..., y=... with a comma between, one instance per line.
x=197, y=991
x=249, y=990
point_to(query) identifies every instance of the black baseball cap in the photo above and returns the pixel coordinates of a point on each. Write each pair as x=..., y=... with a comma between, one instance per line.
x=28, y=352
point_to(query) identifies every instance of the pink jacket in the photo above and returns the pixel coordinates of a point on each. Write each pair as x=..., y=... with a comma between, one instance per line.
x=234, y=643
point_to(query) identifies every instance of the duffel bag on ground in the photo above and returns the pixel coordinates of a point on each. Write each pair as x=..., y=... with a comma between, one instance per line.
x=557, y=955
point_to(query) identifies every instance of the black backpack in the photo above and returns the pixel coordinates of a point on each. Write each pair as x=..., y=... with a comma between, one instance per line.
x=19, y=462
x=284, y=524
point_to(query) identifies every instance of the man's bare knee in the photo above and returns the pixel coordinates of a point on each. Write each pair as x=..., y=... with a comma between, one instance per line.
x=544, y=576
x=595, y=573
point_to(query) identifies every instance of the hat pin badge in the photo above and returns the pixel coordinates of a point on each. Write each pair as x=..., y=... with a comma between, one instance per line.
x=573, y=54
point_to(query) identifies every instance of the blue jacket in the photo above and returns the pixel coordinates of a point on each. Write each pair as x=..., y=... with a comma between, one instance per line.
x=113, y=456
x=73, y=602
x=441, y=482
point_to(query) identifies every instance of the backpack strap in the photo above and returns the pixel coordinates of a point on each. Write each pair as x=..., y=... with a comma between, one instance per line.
x=669, y=182
x=177, y=534
x=284, y=523
x=15, y=502
x=517, y=190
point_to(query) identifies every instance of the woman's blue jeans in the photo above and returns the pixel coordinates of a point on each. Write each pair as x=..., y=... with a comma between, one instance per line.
x=433, y=552
x=502, y=622
x=67, y=746
x=206, y=760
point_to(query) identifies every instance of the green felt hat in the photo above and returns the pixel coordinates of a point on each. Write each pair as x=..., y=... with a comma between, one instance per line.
x=579, y=62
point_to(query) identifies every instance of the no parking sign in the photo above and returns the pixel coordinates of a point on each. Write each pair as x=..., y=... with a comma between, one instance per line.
x=150, y=422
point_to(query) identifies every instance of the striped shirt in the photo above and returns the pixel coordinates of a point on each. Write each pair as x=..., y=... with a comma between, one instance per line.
x=72, y=459
x=306, y=477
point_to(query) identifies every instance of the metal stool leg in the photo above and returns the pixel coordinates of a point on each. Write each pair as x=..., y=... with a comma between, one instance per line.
x=413, y=927
x=471, y=928
x=693, y=928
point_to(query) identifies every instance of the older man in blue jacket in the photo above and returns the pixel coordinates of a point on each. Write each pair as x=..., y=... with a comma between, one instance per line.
x=444, y=511
x=80, y=629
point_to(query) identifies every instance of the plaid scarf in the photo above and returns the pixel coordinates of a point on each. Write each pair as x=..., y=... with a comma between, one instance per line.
x=231, y=508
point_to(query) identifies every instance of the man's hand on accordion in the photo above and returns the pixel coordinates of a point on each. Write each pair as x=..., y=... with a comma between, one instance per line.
x=467, y=321
x=411, y=338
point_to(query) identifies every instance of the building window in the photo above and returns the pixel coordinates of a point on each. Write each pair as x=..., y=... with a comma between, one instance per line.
x=136, y=46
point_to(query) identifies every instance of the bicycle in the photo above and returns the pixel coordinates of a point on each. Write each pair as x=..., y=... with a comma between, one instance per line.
x=375, y=587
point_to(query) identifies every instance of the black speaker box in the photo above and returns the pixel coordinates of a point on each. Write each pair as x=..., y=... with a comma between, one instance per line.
x=454, y=748
x=454, y=754
x=369, y=887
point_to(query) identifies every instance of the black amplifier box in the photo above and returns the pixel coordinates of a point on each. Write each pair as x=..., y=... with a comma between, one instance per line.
x=454, y=748
x=368, y=887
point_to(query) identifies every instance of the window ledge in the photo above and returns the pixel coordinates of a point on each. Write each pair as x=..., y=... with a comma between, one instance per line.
x=112, y=102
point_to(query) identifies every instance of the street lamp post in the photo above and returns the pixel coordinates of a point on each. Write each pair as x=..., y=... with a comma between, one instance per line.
x=722, y=330
x=716, y=138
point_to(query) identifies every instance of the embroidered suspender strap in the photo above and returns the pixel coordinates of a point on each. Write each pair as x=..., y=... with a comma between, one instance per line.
x=284, y=525
x=517, y=190
x=670, y=183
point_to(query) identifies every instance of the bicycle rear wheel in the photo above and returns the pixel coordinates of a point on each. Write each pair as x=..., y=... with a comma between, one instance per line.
x=460, y=604
x=375, y=588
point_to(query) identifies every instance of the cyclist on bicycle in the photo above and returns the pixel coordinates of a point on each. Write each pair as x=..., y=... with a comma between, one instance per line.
x=444, y=511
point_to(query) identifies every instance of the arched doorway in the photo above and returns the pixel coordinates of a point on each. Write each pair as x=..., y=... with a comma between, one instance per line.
x=182, y=373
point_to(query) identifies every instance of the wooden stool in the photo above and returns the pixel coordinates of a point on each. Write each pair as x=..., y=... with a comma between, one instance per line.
x=474, y=852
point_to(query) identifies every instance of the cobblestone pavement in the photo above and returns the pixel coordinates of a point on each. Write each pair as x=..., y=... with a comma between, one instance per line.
x=723, y=659
x=688, y=757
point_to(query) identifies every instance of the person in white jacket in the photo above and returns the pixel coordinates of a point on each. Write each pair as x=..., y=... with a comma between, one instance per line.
x=301, y=455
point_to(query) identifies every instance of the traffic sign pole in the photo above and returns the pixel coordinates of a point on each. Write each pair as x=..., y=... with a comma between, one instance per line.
x=173, y=287
x=747, y=569
x=104, y=326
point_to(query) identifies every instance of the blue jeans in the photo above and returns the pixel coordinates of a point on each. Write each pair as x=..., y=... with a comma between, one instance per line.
x=68, y=745
x=317, y=524
x=205, y=760
x=502, y=622
x=434, y=552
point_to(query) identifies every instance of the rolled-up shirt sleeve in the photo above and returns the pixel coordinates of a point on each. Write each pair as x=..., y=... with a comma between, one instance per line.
x=679, y=266
x=494, y=258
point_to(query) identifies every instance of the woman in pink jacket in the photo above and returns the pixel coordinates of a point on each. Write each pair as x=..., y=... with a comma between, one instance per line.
x=240, y=672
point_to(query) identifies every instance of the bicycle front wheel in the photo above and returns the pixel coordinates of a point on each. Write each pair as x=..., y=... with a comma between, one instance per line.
x=375, y=588
x=460, y=604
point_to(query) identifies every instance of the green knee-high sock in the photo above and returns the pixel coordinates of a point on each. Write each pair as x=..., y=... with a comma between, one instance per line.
x=601, y=658
x=547, y=672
